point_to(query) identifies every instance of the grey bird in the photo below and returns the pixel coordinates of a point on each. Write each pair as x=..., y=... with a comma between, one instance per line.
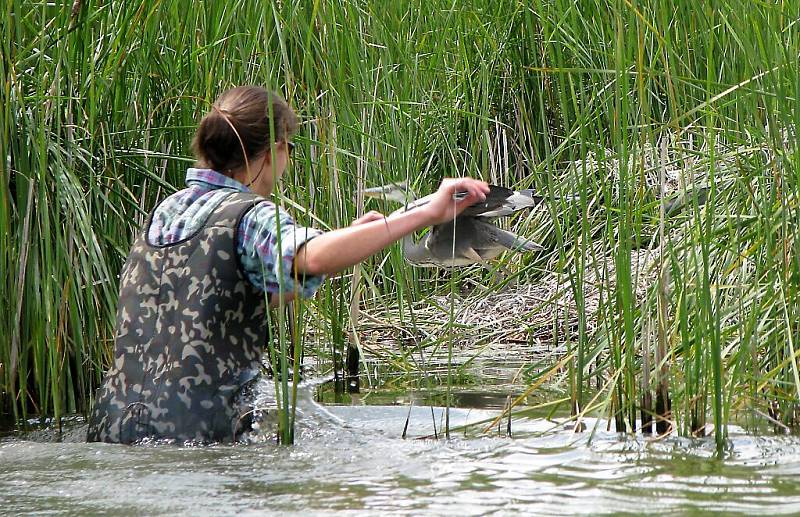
x=470, y=238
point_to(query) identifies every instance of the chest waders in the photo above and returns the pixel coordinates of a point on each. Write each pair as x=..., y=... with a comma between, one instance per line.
x=190, y=332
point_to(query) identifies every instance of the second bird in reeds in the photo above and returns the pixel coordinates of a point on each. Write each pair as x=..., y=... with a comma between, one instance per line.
x=470, y=238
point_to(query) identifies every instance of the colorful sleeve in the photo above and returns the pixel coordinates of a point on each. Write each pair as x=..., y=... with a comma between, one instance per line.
x=267, y=265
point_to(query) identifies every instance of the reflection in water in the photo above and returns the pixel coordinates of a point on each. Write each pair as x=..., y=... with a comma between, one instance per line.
x=352, y=458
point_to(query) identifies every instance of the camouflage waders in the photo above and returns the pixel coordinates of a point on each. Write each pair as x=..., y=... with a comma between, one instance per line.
x=190, y=331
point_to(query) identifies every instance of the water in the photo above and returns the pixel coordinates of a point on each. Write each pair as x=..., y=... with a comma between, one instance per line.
x=352, y=459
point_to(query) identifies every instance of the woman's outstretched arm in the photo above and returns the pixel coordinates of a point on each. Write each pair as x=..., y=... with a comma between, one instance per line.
x=339, y=249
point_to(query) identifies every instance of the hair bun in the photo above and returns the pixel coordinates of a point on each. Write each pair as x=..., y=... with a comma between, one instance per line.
x=242, y=130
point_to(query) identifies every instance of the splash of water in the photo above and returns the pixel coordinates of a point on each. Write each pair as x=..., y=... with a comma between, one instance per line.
x=311, y=417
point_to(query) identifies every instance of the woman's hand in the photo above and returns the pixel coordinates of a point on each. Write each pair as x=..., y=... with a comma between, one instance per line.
x=443, y=208
x=372, y=215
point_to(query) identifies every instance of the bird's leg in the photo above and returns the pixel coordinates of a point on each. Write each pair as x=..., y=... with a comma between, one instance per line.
x=473, y=255
x=500, y=273
x=476, y=286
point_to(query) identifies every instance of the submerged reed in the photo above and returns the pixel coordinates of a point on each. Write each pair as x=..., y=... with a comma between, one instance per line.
x=99, y=102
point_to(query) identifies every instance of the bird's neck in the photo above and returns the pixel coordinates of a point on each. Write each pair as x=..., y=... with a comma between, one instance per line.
x=414, y=252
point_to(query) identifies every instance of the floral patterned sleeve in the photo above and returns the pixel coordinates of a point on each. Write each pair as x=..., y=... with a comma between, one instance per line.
x=260, y=254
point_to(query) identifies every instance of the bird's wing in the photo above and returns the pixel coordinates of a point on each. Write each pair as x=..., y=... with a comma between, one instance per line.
x=494, y=200
x=518, y=200
x=499, y=202
x=502, y=201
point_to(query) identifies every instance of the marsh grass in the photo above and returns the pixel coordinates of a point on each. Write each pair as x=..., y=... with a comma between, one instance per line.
x=100, y=101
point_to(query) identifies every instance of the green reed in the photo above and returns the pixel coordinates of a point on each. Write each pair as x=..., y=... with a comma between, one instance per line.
x=100, y=101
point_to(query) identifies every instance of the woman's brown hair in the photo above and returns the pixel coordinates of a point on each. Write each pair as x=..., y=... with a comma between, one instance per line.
x=237, y=129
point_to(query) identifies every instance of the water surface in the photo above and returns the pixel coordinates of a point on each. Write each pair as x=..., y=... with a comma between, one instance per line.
x=353, y=459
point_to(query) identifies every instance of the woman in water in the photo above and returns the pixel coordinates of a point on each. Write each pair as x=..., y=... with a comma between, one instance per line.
x=191, y=321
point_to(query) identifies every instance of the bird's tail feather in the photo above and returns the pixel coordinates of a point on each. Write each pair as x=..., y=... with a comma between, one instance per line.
x=531, y=194
x=522, y=244
x=538, y=198
x=510, y=240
